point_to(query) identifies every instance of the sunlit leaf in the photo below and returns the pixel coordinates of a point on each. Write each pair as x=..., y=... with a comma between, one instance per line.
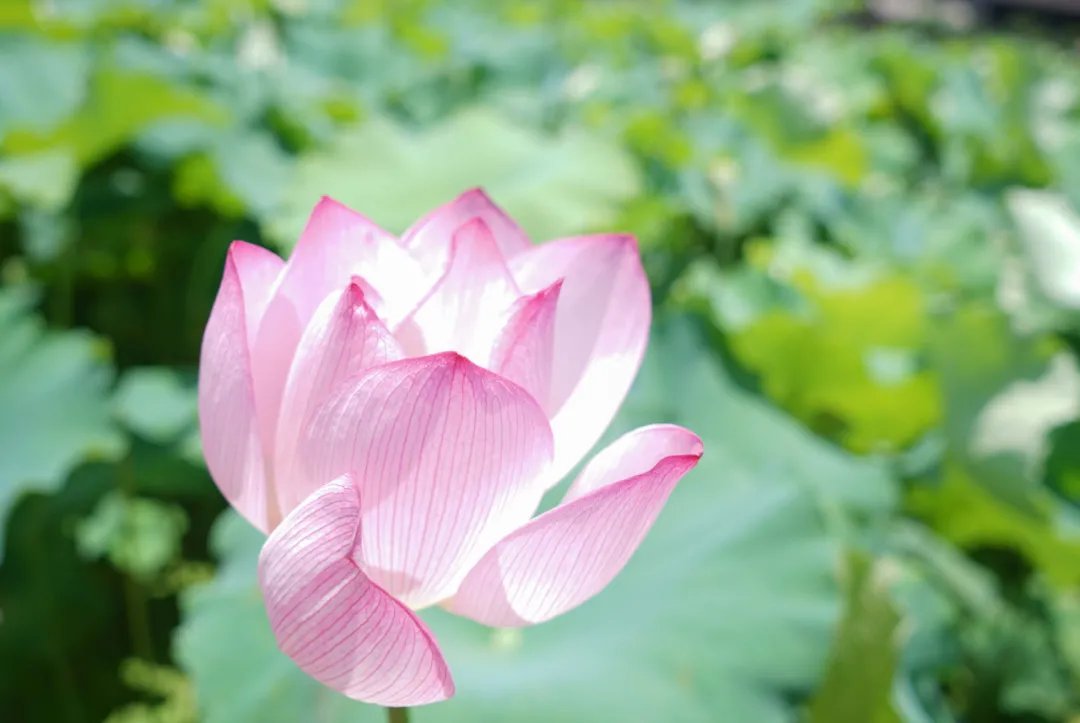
x=119, y=106
x=840, y=152
x=1003, y=392
x=554, y=186
x=845, y=357
x=1050, y=234
x=968, y=515
x=1017, y=421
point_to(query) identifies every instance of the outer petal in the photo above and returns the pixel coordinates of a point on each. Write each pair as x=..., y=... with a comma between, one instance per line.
x=601, y=329
x=227, y=418
x=467, y=309
x=568, y=554
x=259, y=270
x=344, y=338
x=447, y=456
x=336, y=245
x=429, y=238
x=525, y=350
x=335, y=623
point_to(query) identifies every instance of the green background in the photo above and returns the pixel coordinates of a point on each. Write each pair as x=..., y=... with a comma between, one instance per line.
x=865, y=255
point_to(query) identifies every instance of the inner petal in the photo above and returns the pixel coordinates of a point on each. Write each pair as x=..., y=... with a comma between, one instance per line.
x=467, y=309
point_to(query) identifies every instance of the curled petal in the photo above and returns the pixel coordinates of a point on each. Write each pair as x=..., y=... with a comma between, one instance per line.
x=227, y=418
x=447, y=456
x=468, y=307
x=429, y=238
x=344, y=338
x=335, y=623
x=632, y=454
x=524, y=352
x=568, y=554
x=601, y=329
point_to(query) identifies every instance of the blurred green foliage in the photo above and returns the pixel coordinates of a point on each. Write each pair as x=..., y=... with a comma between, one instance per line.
x=865, y=251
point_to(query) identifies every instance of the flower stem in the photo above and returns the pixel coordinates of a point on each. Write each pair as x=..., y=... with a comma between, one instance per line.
x=397, y=715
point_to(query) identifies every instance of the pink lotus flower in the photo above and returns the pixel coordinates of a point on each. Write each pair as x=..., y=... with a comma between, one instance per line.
x=392, y=410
